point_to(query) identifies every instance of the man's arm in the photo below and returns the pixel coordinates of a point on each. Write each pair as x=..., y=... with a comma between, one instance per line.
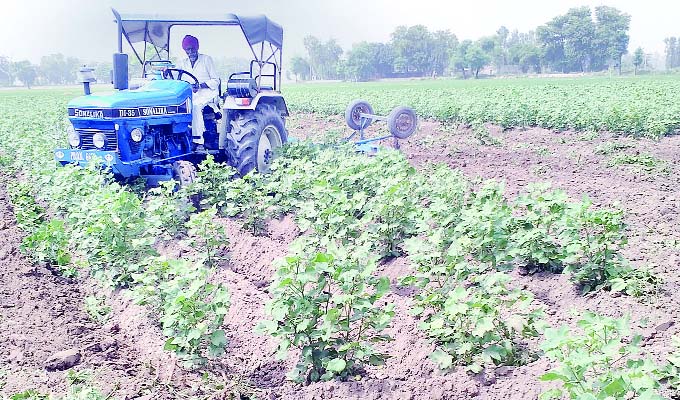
x=214, y=80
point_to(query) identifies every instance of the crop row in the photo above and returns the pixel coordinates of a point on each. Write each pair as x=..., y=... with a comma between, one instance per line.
x=648, y=106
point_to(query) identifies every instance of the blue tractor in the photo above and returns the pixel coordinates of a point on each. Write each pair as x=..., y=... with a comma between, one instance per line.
x=143, y=128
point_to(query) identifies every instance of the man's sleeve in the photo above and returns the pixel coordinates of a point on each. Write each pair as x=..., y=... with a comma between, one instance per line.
x=214, y=80
x=182, y=64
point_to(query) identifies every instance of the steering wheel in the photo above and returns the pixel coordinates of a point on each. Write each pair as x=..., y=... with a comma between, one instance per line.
x=168, y=72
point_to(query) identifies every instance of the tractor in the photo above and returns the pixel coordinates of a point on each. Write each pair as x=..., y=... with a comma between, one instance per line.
x=143, y=129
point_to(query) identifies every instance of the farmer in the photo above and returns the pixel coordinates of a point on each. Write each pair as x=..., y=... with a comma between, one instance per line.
x=203, y=68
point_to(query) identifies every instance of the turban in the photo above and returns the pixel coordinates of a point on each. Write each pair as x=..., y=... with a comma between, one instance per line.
x=189, y=41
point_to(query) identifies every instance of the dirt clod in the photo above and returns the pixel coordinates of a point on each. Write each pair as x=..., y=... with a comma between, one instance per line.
x=63, y=360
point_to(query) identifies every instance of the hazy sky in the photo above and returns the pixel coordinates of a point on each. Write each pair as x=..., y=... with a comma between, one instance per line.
x=85, y=28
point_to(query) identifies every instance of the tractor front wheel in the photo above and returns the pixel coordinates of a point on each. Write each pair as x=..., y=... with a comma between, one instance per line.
x=184, y=172
x=253, y=138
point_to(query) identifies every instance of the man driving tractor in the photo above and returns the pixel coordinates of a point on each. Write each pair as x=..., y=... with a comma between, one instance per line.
x=203, y=68
x=162, y=128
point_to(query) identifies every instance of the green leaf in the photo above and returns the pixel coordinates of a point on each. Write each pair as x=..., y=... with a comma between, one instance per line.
x=376, y=360
x=382, y=287
x=553, y=376
x=615, y=388
x=443, y=359
x=416, y=310
x=169, y=344
x=551, y=394
x=484, y=325
x=495, y=352
x=218, y=338
x=336, y=365
x=617, y=284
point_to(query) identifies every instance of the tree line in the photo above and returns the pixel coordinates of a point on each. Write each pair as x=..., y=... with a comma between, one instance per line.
x=579, y=41
x=53, y=69
x=57, y=69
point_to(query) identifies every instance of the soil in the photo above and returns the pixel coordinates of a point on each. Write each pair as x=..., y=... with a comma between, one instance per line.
x=42, y=314
x=44, y=327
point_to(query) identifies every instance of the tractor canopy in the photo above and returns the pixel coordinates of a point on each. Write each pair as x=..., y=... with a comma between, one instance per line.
x=154, y=29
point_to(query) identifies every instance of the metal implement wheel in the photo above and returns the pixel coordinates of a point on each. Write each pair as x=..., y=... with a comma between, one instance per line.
x=254, y=137
x=402, y=122
x=184, y=172
x=353, y=114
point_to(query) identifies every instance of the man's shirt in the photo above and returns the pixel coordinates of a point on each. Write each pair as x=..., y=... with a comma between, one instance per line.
x=204, y=70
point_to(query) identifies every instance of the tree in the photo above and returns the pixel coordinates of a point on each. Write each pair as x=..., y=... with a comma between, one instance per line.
x=576, y=42
x=313, y=47
x=638, y=59
x=523, y=51
x=612, y=38
x=489, y=46
x=360, y=66
x=476, y=58
x=500, y=54
x=300, y=68
x=368, y=61
x=413, y=48
x=567, y=40
x=59, y=70
x=383, y=59
x=444, y=44
x=323, y=57
x=579, y=33
x=672, y=52
x=25, y=72
x=458, y=59
x=6, y=77
x=526, y=56
x=331, y=51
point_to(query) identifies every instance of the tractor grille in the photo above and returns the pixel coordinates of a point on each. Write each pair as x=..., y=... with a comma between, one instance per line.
x=134, y=146
x=86, y=139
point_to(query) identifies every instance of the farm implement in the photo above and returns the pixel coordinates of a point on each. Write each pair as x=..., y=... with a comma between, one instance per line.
x=401, y=123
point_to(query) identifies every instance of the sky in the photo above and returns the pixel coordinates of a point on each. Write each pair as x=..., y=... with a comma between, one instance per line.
x=85, y=28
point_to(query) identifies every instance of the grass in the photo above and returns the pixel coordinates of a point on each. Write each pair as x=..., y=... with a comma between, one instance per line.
x=644, y=161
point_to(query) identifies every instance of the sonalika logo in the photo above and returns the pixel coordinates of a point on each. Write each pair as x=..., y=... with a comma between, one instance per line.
x=89, y=113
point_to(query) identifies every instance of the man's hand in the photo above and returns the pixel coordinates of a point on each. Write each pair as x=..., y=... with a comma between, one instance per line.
x=196, y=86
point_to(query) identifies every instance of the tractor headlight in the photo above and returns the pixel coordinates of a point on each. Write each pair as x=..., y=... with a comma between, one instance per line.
x=136, y=135
x=73, y=136
x=99, y=140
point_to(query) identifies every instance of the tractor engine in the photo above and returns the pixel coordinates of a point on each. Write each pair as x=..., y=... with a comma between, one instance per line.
x=135, y=132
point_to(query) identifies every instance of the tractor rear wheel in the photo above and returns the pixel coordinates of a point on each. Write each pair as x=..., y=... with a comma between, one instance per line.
x=253, y=138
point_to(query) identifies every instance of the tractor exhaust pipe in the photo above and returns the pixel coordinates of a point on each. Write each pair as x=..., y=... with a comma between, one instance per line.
x=85, y=76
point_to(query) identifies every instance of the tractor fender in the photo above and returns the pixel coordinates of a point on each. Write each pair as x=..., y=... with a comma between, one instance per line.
x=273, y=98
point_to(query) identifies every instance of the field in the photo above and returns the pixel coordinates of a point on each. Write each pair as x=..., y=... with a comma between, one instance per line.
x=525, y=240
x=646, y=106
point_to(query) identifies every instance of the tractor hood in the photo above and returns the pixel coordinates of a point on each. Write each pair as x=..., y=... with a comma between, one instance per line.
x=158, y=97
